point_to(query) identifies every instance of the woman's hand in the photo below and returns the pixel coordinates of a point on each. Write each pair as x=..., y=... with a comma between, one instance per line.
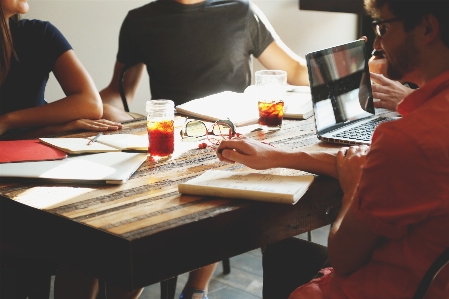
x=87, y=125
x=73, y=126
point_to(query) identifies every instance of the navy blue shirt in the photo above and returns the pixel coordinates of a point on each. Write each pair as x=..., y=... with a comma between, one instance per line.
x=192, y=51
x=38, y=45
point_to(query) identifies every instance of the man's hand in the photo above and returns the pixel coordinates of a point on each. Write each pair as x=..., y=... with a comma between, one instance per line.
x=349, y=167
x=389, y=92
x=249, y=152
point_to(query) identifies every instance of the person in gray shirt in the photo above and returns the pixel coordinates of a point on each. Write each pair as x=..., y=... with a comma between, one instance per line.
x=195, y=48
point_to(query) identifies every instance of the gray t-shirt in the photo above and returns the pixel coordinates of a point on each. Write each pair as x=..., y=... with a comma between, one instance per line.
x=192, y=51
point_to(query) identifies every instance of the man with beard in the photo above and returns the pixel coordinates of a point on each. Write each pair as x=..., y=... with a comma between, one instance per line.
x=394, y=219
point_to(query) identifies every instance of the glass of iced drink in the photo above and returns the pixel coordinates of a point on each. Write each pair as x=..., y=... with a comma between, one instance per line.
x=270, y=91
x=160, y=126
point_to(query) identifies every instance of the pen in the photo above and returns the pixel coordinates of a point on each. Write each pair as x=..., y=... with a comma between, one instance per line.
x=95, y=138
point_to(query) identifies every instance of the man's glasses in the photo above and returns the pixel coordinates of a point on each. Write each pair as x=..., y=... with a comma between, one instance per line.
x=380, y=27
x=220, y=130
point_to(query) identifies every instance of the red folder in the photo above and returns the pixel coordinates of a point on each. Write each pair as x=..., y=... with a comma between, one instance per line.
x=28, y=150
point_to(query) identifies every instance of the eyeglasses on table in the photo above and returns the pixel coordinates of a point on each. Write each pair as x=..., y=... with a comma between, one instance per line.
x=218, y=131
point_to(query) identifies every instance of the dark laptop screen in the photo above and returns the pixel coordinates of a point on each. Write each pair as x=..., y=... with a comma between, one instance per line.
x=340, y=85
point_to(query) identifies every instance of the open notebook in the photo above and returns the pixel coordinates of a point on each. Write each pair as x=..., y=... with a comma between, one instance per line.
x=105, y=143
x=101, y=168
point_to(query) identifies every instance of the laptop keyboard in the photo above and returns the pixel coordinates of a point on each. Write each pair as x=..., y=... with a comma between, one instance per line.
x=363, y=132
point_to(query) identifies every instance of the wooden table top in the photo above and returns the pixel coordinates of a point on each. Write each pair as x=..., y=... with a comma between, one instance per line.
x=144, y=231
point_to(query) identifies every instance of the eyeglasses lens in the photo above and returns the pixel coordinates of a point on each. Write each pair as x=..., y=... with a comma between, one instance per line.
x=223, y=130
x=381, y=29
x=195, y=129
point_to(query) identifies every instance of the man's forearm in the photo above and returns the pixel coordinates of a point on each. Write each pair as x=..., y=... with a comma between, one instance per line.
x=313, y=162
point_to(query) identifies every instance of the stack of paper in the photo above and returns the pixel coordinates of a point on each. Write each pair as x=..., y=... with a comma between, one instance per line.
x=100, y=168
x=237, y=107
x=46, y=159
x=241, y=108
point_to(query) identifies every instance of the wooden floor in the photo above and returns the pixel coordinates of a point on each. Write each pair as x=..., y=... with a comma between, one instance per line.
x=244, y=281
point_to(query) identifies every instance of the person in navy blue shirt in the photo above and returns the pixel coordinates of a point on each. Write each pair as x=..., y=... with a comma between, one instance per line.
x=29, y=51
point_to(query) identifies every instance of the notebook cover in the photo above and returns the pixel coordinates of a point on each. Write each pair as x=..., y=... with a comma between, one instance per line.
x=100, y=168
x=28, y=150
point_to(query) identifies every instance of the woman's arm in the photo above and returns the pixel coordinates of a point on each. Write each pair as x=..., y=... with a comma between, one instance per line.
x=112, y=102
x=82, y=101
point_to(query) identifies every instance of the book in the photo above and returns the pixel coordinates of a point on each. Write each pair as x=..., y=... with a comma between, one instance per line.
x=105, y=143
x=248, y=185
x=241, y=108
x=238, y=107
x=297, y=101
x=298, y=104
x=28, y=150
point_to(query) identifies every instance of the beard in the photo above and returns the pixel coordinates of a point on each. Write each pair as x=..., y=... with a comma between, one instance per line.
x=402, y=60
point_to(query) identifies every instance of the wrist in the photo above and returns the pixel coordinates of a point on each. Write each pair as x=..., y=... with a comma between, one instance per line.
x=5, y=123
x=283, y=158
x=321, y=163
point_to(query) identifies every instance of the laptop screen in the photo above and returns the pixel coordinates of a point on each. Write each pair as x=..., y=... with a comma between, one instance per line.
x=340, y=85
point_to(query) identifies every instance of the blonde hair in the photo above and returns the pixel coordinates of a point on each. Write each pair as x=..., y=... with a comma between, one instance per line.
x=5, y=39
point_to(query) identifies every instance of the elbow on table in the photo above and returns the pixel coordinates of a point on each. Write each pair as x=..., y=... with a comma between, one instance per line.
x=93, y=107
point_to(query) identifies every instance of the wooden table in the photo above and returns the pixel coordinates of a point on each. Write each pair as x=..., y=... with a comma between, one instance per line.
x=144, y=231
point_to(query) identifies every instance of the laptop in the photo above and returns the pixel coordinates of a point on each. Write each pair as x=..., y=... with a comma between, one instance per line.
x=341, y=94
x=101, y=168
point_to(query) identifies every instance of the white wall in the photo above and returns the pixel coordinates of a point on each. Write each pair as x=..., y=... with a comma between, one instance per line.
x=92, y=27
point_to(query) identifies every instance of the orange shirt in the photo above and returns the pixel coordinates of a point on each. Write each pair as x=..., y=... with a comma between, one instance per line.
x=403, y=195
